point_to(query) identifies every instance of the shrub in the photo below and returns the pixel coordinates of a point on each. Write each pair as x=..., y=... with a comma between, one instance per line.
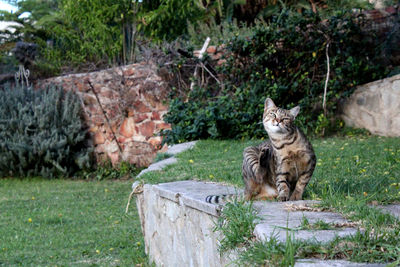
x=285, y=60
x=41, y=133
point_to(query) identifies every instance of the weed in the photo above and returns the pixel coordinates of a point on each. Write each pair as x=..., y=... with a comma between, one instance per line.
x=236, y=224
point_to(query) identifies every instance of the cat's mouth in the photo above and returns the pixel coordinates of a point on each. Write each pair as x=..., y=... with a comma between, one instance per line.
x=274, y=127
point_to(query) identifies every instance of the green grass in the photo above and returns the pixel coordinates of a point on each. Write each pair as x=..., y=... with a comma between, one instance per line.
x=82, y=223
x=68, y=223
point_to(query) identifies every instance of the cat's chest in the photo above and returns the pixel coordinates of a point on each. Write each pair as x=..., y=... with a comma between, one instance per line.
x=292, y=159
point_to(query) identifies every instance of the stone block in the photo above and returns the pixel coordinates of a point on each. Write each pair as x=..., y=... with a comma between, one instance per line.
x=147, y=128
x=128, y=127
x=375, y=106
x=139, y=117
x=141, y=107
x=98, y=138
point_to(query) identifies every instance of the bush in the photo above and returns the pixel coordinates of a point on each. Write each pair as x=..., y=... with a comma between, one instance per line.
x=41, y=133
x=285, y=60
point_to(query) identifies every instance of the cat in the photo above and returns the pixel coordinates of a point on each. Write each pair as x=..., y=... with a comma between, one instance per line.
x=280, y=167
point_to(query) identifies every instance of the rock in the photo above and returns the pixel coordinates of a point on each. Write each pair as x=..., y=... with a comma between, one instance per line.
x=375, y=106
x=127, y=127
x=147, y=128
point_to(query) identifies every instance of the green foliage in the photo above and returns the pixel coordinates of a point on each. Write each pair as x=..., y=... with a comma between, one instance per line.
x=41, y=133
x=105, y=171
x=236, y=224
x=284, y=60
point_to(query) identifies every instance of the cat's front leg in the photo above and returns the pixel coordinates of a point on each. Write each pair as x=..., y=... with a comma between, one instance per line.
x=282, y=186
x=300, y=185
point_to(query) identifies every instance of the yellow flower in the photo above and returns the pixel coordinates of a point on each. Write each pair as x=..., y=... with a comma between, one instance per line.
x=365, y=194
x=106, y=190
x=137, y=243
x=386, y=173
x=30, y=220
x=191, y=161
x=97, y=251
x=211, y=176
x=33, y=198
x=314, y=54
x=319, y=164
x=111, y=249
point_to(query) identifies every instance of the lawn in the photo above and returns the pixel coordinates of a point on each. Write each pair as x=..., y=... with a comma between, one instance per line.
x=68, y=223
x=83, y=223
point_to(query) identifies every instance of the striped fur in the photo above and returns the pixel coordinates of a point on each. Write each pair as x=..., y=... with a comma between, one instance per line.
x=280, y=167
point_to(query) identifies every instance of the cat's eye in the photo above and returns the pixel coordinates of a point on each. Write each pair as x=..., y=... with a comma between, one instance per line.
x=286, y=119
x=272, y=115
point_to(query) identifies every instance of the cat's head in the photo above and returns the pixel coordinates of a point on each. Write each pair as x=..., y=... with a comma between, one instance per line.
x=278, y=120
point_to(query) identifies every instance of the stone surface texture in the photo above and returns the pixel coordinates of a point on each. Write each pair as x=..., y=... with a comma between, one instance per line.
x=134, y=99
x=177, y=224
x=333, y=263
x=172, y=150
x=375, y=106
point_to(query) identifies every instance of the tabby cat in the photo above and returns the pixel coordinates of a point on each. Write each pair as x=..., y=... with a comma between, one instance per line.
x=282, y=166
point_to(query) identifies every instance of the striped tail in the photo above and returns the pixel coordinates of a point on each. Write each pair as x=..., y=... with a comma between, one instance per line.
x=223, y=199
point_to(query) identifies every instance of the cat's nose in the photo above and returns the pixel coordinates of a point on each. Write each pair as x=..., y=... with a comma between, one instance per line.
x=278, y=120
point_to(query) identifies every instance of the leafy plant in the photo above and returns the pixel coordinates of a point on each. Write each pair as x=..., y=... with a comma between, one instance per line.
x=284, y=59
x=106, y=171
x=41, y=133
x=236, y=225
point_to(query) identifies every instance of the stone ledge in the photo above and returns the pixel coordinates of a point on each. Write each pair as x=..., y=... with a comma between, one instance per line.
x=193, y=194
x=177, y=224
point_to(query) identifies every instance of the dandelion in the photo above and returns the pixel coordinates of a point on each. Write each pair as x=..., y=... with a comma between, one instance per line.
x=30, y=220
x=191, y=161
x=386, y=190
x=33, y=198
x=342, y=148
x=363, y=170
x=319, y=164
x=386, y=173
x=106, y=190
x=111, y=249
x=211, y=176
x=314, y=54
x=97, y=251
x=138, y=244
x=365, y=194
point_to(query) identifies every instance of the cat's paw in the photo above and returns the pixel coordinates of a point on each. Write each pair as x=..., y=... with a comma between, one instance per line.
x=283, y=197
x=295, y=196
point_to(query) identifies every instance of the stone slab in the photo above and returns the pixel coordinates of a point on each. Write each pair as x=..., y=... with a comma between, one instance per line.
x=332, y=263
x=393, y=209
x=177, y=224
x=176, y=149
x=172, y=150
x=278, y=221
x=193, y=194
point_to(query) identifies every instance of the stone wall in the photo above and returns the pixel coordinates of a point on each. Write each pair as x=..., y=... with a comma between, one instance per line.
x=123, y=108
x=375, y=106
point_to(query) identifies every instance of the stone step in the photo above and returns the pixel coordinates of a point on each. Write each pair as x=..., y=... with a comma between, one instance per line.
x=177, y=224
x=283, y=218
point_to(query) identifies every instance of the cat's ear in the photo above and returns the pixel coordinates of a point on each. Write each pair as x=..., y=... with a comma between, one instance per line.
x=295, y=111
x=269, y=104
